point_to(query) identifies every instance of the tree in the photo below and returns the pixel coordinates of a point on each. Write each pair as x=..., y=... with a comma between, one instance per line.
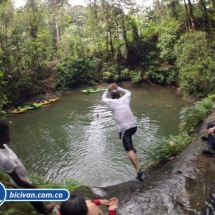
x=195, y=61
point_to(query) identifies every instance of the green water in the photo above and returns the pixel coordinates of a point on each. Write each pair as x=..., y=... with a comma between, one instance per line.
x=66, y=141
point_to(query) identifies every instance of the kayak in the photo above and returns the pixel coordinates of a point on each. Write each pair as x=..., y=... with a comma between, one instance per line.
x=42, y=103
x=98, y=90
x=30, y=107
x=17, y=110
x=54, y=99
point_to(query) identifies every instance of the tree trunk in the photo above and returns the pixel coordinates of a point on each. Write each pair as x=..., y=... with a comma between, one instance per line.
x=124, y=33
x=80, y=38
x=157, y=3
x=189, y=25
x=207, y=25
x=191, y=16
x=111, y=45
x=173, y=9
x=57, y=31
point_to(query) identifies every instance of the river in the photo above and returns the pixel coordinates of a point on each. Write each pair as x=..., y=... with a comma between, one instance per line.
x=66, y=140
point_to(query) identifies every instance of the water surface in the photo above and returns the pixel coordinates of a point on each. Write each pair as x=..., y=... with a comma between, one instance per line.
x=67, y=141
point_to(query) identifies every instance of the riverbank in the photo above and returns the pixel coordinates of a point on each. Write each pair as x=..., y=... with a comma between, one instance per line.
x=52, y=94
x=184, y=185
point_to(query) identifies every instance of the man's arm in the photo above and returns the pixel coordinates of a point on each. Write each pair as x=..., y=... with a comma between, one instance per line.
x=19, y=181
x=116, y=87
x=211, y=130
x=127, y=92
x=105, y=94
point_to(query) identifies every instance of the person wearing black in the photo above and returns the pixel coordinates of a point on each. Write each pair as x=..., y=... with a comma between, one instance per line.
x=210, y=138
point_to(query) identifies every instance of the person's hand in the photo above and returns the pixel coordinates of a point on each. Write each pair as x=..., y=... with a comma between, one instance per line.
x=110, y=87
x=113, y=202
x=104, y=202
x=211, y=130
x=114, y=86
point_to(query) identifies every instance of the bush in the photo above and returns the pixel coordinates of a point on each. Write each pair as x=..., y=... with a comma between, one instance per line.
x=192, y=116
x=167, y=147
x=76, y=72
x=195, y=62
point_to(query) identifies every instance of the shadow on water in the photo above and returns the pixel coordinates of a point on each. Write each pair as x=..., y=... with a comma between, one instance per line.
x=77, y=138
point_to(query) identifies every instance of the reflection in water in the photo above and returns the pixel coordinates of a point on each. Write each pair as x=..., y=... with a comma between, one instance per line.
x=77, y=138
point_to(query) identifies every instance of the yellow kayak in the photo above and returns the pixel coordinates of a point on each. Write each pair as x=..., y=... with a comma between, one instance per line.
x=54, y=99
x=43, y=102
x=17, y=110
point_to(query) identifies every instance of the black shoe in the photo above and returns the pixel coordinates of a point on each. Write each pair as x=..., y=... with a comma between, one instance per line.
x=139, y=175
x=209, y=150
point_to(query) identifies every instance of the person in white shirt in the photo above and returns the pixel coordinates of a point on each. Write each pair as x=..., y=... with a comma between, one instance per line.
x=127, y=125
x=10, y=164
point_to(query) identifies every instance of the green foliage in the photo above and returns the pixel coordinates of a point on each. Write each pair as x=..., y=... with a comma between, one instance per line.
x=136, y=76
x=168, y=32
x=110, y=73
x=167, y=147
x=104, y=41
x=77, y=72
x=124, y=74
x=3, y=97
x=195, y=61
x=192, y=116
x=70, y=185
x=154, y=73
x=149, y=29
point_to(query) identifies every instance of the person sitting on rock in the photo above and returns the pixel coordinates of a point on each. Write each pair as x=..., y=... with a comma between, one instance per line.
x=210, y=138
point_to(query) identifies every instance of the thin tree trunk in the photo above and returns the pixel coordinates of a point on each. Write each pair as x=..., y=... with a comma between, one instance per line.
x=156, y=2
x=187, y=16
x=205, y=15
x=190, y=10
x=111, y=45
x=80, y=38
x=57, y=32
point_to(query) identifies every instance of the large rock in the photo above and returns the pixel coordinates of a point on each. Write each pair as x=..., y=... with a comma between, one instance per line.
x=183, y=186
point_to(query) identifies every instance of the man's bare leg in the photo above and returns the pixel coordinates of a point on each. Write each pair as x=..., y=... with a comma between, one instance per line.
x=133, y=158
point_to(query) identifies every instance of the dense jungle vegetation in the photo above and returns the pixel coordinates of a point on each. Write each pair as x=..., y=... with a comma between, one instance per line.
x=51, y=45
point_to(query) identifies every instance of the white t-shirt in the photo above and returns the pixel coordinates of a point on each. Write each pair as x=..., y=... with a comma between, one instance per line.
x=121, y=109
x=10, y=162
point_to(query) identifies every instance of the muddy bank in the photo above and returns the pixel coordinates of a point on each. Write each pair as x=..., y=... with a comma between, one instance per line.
x=184, y=185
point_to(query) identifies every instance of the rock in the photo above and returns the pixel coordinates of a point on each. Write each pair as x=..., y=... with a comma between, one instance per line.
x=184, y=185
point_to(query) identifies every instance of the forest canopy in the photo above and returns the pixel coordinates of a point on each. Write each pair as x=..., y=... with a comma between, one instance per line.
x=52, y=45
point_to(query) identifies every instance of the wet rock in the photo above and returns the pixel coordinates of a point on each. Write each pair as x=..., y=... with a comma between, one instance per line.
x=184, y=185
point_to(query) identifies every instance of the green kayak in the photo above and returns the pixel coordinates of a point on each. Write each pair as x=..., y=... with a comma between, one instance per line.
x=98, y=90
x=30, y=107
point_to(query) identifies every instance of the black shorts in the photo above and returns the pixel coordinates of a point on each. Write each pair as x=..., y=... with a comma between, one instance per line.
x=125, y=136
